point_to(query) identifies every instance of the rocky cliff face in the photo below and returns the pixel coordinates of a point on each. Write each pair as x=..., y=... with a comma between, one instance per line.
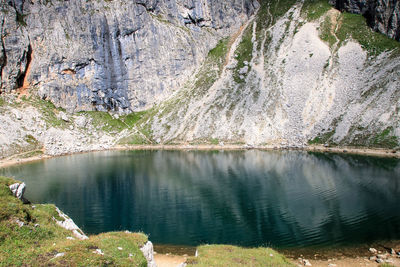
x=292, y=74
x=110, y=55
x=294, y=82
x=382, y=15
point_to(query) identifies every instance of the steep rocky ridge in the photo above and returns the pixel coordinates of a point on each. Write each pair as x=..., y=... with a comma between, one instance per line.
x=110, y=55
x=382, y=15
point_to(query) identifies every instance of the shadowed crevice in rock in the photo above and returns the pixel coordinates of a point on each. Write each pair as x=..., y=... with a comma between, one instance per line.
x=3, y=55
x=28, y=57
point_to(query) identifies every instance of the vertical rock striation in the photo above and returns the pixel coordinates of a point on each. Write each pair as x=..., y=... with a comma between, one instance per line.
x=111, y=55
x=382, y=15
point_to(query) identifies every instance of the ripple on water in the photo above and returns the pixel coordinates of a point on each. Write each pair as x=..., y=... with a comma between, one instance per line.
x=249, y=198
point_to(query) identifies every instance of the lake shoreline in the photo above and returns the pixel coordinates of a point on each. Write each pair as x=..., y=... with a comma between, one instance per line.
x=389, y=153
x=346, y=255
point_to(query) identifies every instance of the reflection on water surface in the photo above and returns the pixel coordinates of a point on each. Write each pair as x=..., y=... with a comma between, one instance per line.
x=249, y=198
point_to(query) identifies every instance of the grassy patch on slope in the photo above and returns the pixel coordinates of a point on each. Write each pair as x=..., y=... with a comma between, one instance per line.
x=48, y=110
x=40, y=239
x=212, y=67
x=323, y=138
x=279, y=8
x=314, y=9
x=386, y=139
x=225, y=255
x=243, y=53
x=355, y=26
x=326, y=30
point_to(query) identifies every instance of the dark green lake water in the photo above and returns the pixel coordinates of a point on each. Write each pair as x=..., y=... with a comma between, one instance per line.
x=249, y=198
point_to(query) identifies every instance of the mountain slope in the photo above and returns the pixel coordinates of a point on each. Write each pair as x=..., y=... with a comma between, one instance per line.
x=313, y=75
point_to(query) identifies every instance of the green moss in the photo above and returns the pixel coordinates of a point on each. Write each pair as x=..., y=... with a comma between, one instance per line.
x=225, y=255
x=2, y=102
x=355, y=26
x=314, y=9
x=38, y=241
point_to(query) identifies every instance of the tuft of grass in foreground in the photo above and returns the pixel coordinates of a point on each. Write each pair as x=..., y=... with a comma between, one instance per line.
x=40, y=239
x=355, y=26
x=226, y=255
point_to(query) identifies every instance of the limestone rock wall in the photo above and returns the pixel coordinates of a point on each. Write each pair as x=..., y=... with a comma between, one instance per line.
x=110, y=55
x=295, y=88
x=382, y=15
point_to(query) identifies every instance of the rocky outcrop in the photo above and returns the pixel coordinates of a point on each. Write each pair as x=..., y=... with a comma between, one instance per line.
x=68, y=224
x=148, y=253
x=18, y=190
x=382, y=15
x=110, y=55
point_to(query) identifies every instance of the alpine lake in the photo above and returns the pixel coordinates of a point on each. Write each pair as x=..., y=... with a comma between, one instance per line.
x=250, y=198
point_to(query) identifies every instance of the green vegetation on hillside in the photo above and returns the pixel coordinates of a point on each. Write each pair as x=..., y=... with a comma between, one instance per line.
x=225, y=255
x=40, y=239
x=361, y=137
x=350, y=26
x=243, y=53
x=279, y=8
x=327, y=32
x=268, y=13
x=386, y=139
x=48, y=110
x=323, y=138
x=355, y=26
x=314, y=9
x=212, y=67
